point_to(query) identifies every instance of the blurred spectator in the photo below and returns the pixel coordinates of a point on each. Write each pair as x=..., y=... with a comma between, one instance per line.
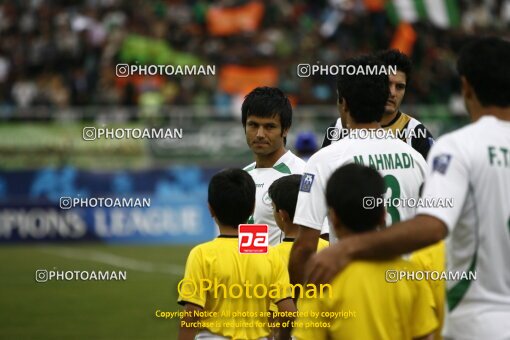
x=306, y=145
x=64, y=53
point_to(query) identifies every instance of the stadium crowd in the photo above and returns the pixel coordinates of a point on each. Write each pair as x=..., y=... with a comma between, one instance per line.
x=62, y=53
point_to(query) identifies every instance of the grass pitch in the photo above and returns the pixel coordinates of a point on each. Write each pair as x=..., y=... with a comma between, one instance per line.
x=90, y=309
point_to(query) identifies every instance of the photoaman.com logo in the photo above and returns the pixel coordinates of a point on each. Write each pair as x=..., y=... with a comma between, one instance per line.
x=253, y=238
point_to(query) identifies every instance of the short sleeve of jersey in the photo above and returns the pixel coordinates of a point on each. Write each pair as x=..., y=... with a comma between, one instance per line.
x=311, y=207
x=447, y=178
x=424, y=316
x=281, y=278
x=193, y=273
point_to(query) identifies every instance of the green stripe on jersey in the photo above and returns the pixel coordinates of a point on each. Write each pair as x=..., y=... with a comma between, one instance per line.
x=455, y=295
x=249, y=168
x=282, y=168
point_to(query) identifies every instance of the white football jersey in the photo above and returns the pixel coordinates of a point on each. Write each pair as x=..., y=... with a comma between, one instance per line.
x=402, y=167
x=288, y=164
x=472, y=166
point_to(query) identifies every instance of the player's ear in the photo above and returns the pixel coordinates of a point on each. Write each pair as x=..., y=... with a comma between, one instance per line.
x=211, y=210
x=285, y=132
x=335, y=221
x=467, y=89
x=342, y=103
x=284, y=215
x=346, y=111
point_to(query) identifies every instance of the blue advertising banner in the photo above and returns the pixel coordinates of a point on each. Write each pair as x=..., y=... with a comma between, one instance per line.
x=150, y=206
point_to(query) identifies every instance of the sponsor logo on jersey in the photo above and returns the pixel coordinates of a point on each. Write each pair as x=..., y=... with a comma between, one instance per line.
x=253, y=238
x=306, y=182
x=441, y=163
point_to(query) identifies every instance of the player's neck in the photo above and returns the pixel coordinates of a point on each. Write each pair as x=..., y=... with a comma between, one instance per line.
x=291, y=231
x=268, y=161
x=373, y=125
x=388, y=118
x=501, y=113
x=228, y=230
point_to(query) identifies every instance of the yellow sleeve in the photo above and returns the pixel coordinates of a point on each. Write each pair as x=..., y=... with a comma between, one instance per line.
x=280, y=280
x=322, y=244
x=424, y=316
x=189, y=287
x=302, y=329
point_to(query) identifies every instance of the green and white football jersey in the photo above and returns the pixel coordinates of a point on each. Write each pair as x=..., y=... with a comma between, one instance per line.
x=472, y=166
x=288, y=164
x=402, y=168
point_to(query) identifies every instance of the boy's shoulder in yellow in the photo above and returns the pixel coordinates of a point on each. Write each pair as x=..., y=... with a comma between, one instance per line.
x=378, y=305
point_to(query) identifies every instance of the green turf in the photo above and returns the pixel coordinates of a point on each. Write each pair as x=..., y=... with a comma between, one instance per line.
x=87, y=309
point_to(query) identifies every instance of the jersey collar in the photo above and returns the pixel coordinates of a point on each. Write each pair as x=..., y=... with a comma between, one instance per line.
x=399, y=113
x=280, y=165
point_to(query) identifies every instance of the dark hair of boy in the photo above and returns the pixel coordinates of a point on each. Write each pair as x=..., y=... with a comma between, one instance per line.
x=284, y=193
x=347, y=191
x=231, y=196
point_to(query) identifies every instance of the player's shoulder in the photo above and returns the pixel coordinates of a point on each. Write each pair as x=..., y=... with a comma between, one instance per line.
x=295, y=164
x=465, y=134
x=276, y=254
x=377, y=267
x=332, y=151
x=412, y=122
x=204, y=247
x=283, y=249
x=250, y=167
x=460, y=140
x=400, y=146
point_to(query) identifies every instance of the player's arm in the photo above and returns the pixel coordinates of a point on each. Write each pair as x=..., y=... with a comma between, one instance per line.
x=288, y=308
x=305, y=245
x=188, y=327
x=401, y=238
x=310, y=215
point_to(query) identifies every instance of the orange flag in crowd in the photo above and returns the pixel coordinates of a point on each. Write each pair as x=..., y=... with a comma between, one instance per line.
x=241, y=79
x=404, y=38
x=232, y=20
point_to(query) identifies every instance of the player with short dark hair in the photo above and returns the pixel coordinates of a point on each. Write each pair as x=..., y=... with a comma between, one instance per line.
x=268, y=102
x=472, y=166
x=284, y=194
x=365, y=96
x=407, y=128
x=379, y=309
x=231, y=196
x=266, y=118
x=403, y=167
x=345, y=191
x=231, y=200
